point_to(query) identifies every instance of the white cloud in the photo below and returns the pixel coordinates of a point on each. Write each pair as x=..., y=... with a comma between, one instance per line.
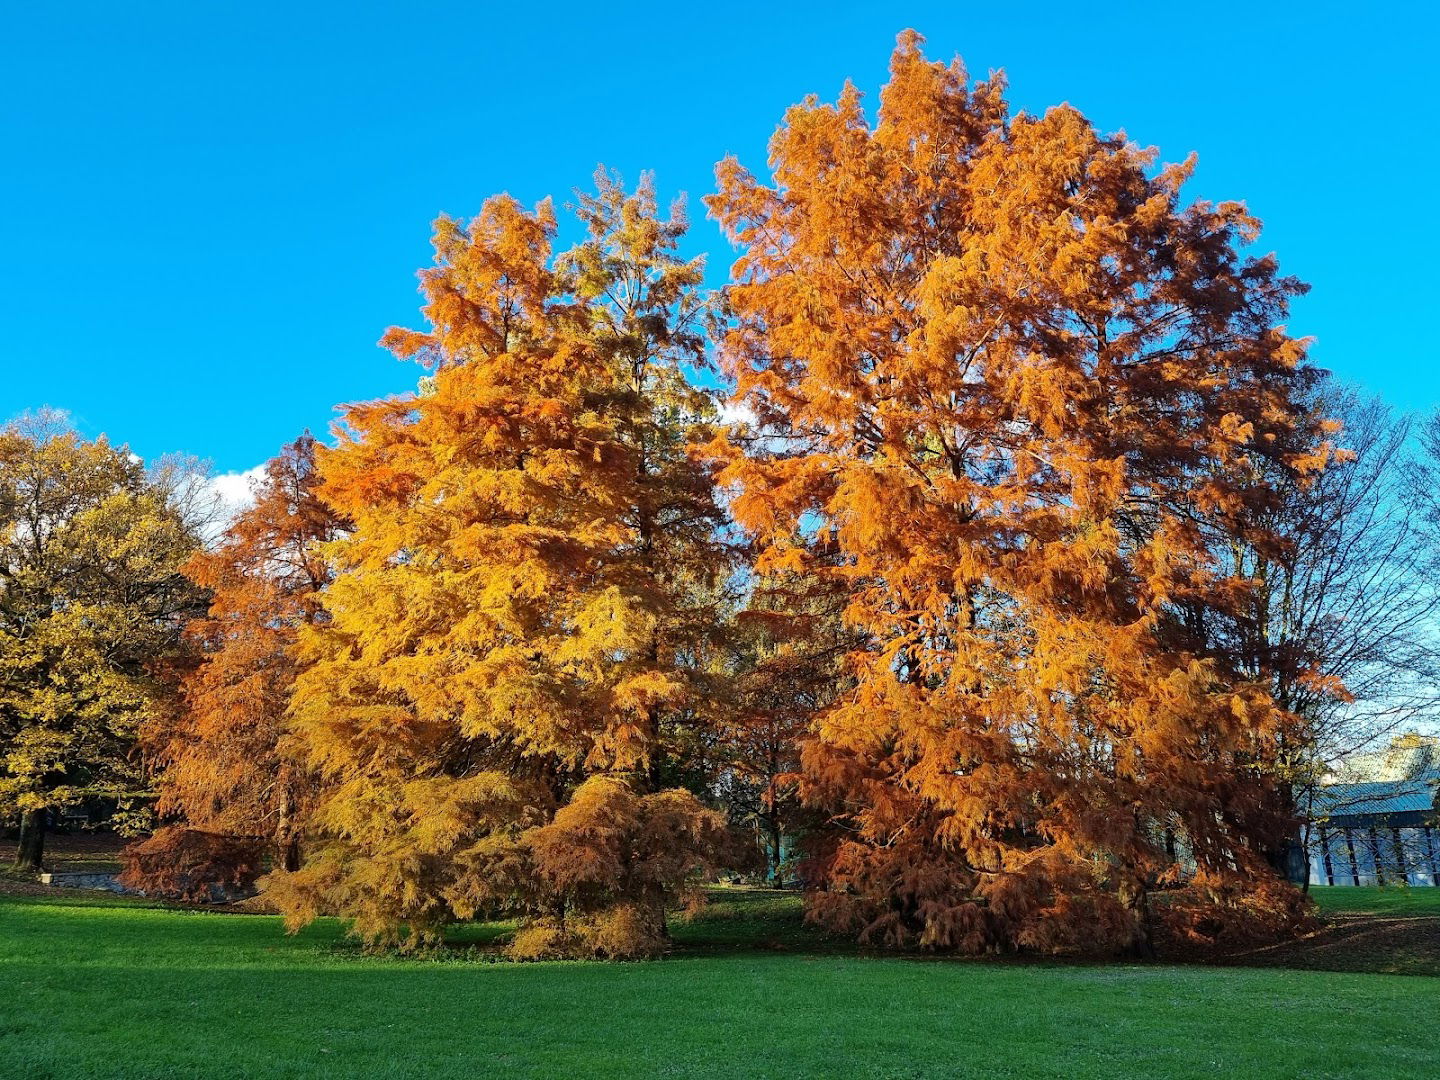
x=732, y=413
x=235, y=491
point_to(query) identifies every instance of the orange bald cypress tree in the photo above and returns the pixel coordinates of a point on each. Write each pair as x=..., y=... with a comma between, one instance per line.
x=518, y=611
x=227, y=785
x=997, y=363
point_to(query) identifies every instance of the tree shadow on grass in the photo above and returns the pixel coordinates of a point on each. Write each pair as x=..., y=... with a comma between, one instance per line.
x=1361, y=943
x=743, y=922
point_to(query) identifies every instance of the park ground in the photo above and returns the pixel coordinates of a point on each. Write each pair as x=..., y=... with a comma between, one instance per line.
x=101, y=986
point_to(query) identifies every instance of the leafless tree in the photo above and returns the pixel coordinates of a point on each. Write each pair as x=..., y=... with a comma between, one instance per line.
x=1355, y=603
x=1343, y=624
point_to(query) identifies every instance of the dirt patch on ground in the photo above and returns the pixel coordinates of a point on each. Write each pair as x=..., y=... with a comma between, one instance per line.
x=12, y=883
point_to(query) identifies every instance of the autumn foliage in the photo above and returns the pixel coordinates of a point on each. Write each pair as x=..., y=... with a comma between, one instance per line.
x=181, y=863
x=230, y=793
x=999, y=363
x=787, y=652
x=91, y=602
x=927, y=598
x=524, y=600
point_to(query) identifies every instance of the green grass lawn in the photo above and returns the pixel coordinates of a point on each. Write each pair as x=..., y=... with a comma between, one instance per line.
x=118, y=989
x=1347, y=900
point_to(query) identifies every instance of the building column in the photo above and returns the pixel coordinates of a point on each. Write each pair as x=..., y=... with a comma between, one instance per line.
x=1354, y=862
x=1375, y=854
x=1400, y=865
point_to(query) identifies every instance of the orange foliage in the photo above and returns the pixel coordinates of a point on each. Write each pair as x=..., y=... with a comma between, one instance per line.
x=188, y=864
x=1008, y=394
x=223, y=773
x=519, y=616
x=999, y=366
x=609, y=842
x=1220, y=913
x=787, y=665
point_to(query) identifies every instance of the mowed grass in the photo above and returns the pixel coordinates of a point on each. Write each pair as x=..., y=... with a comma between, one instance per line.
x=1340, y=900
x=118, y=989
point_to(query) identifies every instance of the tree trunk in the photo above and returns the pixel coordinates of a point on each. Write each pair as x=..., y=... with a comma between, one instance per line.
x=776, y=849
x=31, y=850
x=1142, y=943
x=290, y=855
x=1281, y=854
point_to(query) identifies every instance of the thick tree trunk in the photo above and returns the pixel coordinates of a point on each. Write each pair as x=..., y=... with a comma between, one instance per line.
x=1287, y=854
x=1289, y=858
x=31, y=851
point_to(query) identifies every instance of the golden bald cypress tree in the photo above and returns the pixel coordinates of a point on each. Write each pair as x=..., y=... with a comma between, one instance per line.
x=998, y=364
x=515, y=614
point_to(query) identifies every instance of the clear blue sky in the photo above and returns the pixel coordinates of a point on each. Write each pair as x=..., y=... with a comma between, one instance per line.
x=212, y=211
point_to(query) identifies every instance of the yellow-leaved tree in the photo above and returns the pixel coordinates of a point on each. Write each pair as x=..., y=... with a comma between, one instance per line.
x=517, y=621
x=92, y=599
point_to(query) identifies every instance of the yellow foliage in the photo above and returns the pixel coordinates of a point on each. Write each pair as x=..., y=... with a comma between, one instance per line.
x=90, y=551
x=519, y=612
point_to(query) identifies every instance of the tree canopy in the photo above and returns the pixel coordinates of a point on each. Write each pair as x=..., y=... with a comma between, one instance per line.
x=997, y=362
x=91, y=603
x=524, y=599
x=944, y=542
x=229, y=790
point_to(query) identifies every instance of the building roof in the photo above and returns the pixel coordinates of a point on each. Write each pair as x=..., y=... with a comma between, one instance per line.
x=1411, y=756
x=1377, y=797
